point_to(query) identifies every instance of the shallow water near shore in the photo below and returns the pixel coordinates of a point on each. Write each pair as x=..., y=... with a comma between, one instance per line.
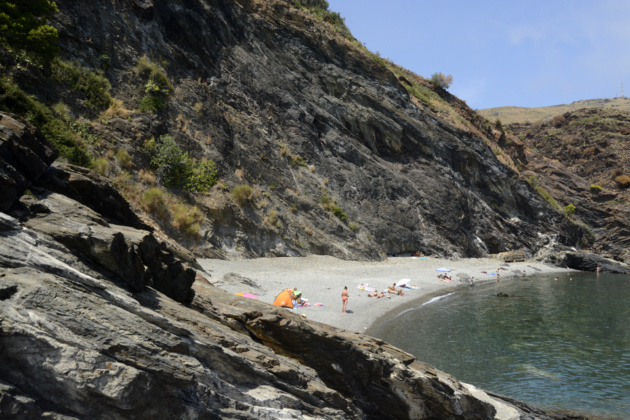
x=558, y=344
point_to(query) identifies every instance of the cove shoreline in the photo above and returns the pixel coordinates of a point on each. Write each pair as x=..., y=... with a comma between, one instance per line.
x=322, y=278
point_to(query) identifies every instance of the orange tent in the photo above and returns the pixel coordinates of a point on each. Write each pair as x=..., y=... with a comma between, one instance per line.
x=284, y=299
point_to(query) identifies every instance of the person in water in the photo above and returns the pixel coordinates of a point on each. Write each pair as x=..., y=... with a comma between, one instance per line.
x=344, y=298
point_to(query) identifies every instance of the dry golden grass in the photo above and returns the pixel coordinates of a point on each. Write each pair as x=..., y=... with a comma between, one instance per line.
x=116, y=109
x=515, y=114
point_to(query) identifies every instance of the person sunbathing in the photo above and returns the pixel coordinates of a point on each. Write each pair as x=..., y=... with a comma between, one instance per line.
x=392, y=289
x=376, y=294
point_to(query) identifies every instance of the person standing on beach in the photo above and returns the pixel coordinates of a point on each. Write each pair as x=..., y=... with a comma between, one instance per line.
x=344, y=298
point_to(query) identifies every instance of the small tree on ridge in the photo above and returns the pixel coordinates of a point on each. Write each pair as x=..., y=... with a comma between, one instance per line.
x=442, y=80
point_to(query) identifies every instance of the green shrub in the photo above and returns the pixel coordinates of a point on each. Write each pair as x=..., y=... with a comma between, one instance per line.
x=272, y=218
x=329, y=205
x=544, y=194
x=595, y=188
x=23, y=30
x=151, y=104
x=325, y=200
x=319, y=8
x=297, y=160
x=569, y=209
x=242, y=194
x=154, y=76
x=175, y=168
x=187, y=219
x=93, y=85
x=65, y=133
x=338, y=211
x=70, y=144
x=353, y=226
x=532, y=180
x=156, y=85
x=123, y=159
x=15, y=100
x=170, y=162
x=441, y=80
x=154, y=200
x=101, y=166
x=201, y=176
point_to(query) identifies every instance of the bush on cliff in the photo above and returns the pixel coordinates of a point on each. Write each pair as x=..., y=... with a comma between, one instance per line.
x=175, y=168
x=623, y=181
x=92, y=84
x=24, y=32
x=66, y=134
x=441, y=80
x=319, y=8
x=242, y=194
x=156, y=87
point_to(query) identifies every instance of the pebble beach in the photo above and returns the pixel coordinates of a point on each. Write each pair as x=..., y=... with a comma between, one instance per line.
x=321, y=280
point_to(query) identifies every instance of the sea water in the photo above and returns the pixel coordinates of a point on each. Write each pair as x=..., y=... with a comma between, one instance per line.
x=557, y=344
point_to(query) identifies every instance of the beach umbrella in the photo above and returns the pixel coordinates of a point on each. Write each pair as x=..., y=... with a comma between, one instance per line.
x=443, y=270
x=402, y=282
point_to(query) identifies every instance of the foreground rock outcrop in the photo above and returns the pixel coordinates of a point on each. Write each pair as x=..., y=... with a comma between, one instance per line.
x=99, y=320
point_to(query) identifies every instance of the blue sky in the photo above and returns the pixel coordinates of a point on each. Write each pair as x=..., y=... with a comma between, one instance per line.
x=526, y=53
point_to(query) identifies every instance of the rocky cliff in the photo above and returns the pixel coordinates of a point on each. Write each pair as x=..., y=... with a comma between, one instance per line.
x=98, y=319
x=343, y=153
x=581, y=159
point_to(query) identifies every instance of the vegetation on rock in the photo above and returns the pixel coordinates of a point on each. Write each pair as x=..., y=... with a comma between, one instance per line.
x=242, y=194
x=24, y=31
x=441, y=80
x=175, y=168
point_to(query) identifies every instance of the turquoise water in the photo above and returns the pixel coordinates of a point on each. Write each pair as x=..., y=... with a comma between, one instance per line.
x=558, y=344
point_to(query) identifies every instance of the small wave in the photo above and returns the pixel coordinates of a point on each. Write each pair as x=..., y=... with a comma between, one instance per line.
x=435, y=299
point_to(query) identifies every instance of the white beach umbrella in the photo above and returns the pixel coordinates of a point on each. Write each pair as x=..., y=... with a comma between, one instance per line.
x=402, y=282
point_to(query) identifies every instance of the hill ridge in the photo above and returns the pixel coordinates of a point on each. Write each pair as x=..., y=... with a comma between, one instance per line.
x=515, y=114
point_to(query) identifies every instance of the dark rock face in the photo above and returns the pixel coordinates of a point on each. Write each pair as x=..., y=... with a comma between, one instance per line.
x=591, y=262
x=91, y=327
x=25, y=154
x=88, y=187
x=284, y=105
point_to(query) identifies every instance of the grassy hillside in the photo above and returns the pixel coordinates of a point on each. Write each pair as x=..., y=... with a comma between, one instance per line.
x=515, y=114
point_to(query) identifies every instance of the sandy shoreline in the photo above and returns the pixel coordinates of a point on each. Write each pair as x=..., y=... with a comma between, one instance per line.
x=322, y=278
